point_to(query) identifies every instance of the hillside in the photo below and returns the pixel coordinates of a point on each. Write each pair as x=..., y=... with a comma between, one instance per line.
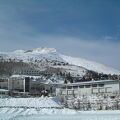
x=50, y=61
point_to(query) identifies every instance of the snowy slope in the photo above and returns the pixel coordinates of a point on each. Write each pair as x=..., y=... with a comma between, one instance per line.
x=47, y=56
x=73, y=70
x=100, y=68
x=41, y=102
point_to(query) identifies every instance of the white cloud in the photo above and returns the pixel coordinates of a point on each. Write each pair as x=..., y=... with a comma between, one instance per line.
x=15, y=34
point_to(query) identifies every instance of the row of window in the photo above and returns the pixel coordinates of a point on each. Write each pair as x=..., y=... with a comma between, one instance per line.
x=3, y=87
x=84, y=86
x=93, y=91
x=3, y=80
x=3, y=93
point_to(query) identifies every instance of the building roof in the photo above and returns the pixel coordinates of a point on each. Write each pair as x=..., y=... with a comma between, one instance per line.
x=23, y=76
x=89, y=83
x=3, y=90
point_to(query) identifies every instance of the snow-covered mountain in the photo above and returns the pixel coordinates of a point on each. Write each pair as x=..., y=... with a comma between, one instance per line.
x=90, y=65
x=50, y=57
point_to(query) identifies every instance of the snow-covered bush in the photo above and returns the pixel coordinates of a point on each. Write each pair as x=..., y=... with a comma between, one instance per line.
x=94, y=102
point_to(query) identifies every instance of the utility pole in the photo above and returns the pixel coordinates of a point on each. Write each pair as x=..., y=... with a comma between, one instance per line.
x=119, y=86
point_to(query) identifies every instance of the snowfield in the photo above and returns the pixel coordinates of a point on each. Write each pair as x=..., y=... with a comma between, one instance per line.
x=45, y=108
x=56, y=114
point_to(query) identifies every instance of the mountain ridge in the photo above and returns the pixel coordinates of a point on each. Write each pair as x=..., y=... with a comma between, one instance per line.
x=49, y=55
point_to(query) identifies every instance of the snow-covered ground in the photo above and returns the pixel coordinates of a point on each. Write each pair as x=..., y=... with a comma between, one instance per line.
x=19, y=108
x=56, y=114
x=22, y=113
x=48, y=108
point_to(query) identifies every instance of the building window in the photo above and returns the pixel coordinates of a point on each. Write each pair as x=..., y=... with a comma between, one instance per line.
x=70, y=92
x=69, y=87
x=75, y=87
x=63, y=87
x=101, y=85
x=102, y=90
x=87, y=86
x=82, y=86
x=95, y=90
x=94, y=85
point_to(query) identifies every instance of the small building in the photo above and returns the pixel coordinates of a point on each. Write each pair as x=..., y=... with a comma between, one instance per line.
x=28, y=85
x=108, y=87
x=19, y=84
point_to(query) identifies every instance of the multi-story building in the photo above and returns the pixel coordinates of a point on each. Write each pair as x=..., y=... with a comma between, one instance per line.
x=21, y=84
x=108, y=87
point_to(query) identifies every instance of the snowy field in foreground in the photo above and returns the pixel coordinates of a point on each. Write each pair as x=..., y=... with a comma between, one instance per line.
x=47, y=108
x=22, y=113
x=56, y=114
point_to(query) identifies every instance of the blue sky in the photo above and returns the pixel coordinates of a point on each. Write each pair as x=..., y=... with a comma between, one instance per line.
x=88, y=29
